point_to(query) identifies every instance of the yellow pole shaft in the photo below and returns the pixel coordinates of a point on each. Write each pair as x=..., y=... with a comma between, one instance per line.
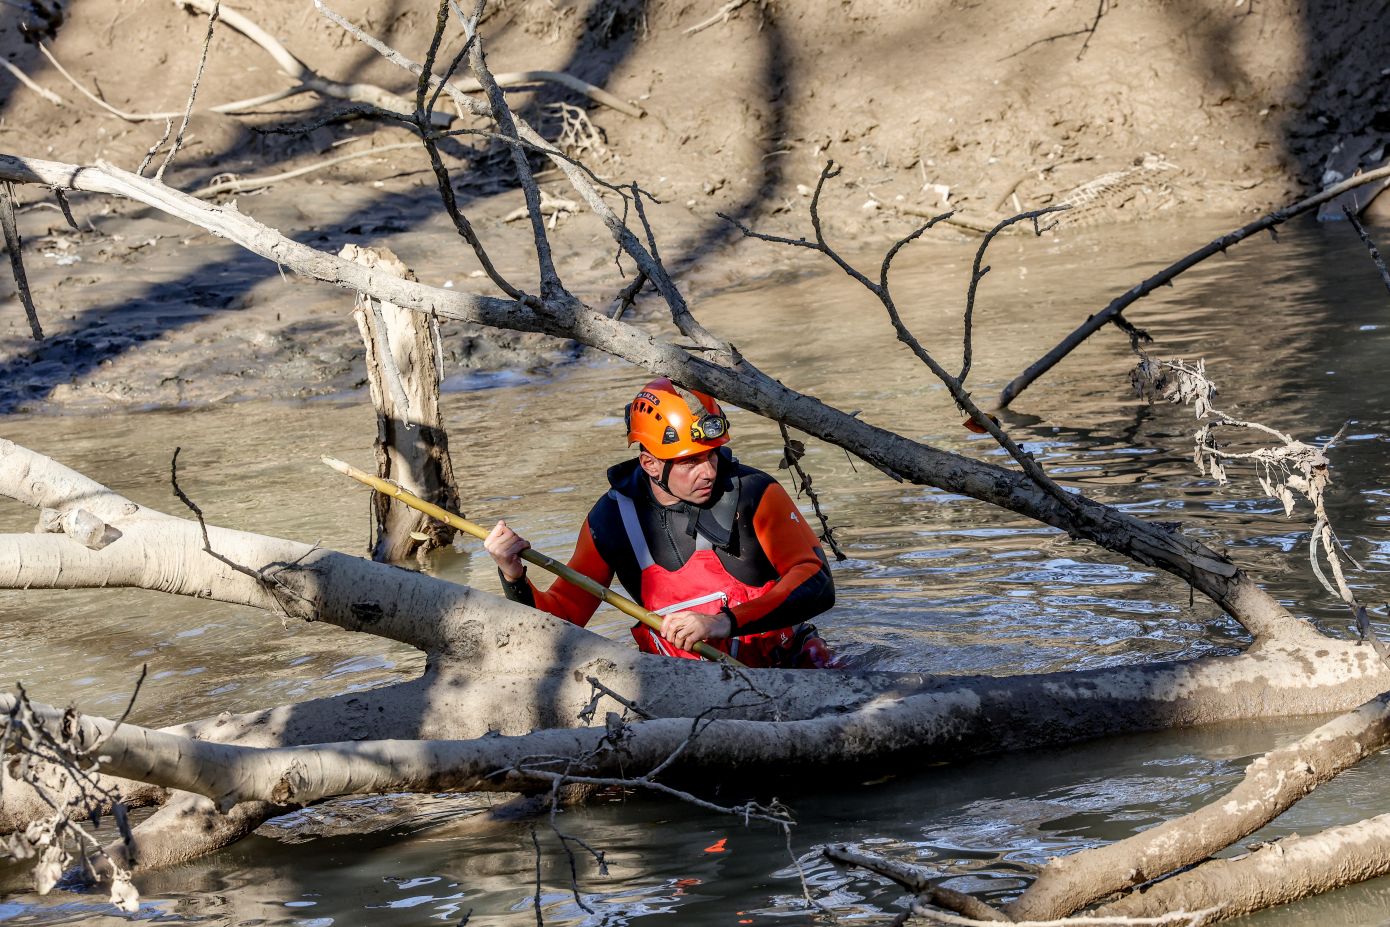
x=598, y=590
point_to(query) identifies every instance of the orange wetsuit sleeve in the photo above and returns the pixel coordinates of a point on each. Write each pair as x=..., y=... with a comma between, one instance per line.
x=804, y=588
x=564, y=599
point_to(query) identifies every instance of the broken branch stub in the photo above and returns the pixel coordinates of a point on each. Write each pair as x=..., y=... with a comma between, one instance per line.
x=403, y=355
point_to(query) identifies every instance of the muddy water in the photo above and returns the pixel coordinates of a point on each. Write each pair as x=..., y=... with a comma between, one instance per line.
x=1294, y=332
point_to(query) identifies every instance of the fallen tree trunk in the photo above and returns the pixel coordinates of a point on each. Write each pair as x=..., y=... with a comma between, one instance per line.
x=949, y=720
x=494, y=665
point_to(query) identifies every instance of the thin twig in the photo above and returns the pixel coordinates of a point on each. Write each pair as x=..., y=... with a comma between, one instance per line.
x=1088, y=31
x=627, y=296
x=1369, y=243
x=65, y=208
x=977, y=273
x=192, y=93
x=720, y=17
x=23, y=78
x=600, y=690
x=442, y=179
x=985, y=422
x=154, y=149
x=130, y=703
x=551, y=287
x=236, y=106
x=269, y=582
x=14, y=246
x=239, y=184
x=536, y=901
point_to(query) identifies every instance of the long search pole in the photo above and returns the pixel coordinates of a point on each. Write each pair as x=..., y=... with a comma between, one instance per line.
x=598, y=590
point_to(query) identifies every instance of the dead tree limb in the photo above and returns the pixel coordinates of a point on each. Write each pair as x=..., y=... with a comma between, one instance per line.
x=1272, y=784
x=307, y=78
x=24, y=79
x=916, y=880
x=1120, y=303
x=721, y=16
x=224, y=183
x=232, y=108
x=462, y=629
x=192, y=94
x=585, y=183
x=1274, y=874
x=881, y=290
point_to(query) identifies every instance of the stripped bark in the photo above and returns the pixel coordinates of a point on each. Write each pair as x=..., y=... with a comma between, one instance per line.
x=404, y=370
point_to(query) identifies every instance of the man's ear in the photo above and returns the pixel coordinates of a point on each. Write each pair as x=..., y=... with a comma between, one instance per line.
x=649, y=464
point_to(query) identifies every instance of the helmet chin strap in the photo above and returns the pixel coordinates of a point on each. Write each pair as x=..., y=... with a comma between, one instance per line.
x=665, y=475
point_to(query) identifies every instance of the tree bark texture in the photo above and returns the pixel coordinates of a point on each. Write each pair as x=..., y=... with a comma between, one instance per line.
x=412, y=447
x=1272, y=784
x=1275, y=874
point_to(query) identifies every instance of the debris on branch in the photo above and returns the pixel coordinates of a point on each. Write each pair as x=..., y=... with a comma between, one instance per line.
x=45, y=748
x=1286, y=470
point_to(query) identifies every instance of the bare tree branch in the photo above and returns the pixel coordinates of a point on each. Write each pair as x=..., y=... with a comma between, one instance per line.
x=24, y=79
x=1369, y=243
x=1218, y=246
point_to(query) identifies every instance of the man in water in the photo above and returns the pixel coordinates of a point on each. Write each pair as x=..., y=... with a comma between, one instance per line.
x=718, y=548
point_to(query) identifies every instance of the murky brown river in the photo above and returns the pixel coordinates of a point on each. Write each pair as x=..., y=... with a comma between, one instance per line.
x=1294, y=332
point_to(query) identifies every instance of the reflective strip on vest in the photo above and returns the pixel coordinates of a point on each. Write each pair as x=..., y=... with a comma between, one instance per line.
x=635, y=539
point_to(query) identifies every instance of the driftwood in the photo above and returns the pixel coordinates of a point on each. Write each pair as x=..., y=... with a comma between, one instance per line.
x=225, y=184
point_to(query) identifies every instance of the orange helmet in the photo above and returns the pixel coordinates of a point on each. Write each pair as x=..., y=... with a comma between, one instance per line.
x=661, y=421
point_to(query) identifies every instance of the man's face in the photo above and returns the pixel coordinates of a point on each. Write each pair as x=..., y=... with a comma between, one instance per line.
x=691, y=479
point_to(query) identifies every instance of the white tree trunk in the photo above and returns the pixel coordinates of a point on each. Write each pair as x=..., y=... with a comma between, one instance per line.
x=412, y=447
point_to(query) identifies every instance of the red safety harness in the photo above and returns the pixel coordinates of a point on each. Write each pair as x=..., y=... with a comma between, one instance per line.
x=702, y=585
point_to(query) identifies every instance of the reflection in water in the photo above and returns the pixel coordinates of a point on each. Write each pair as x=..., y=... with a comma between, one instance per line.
x=1295, y=334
